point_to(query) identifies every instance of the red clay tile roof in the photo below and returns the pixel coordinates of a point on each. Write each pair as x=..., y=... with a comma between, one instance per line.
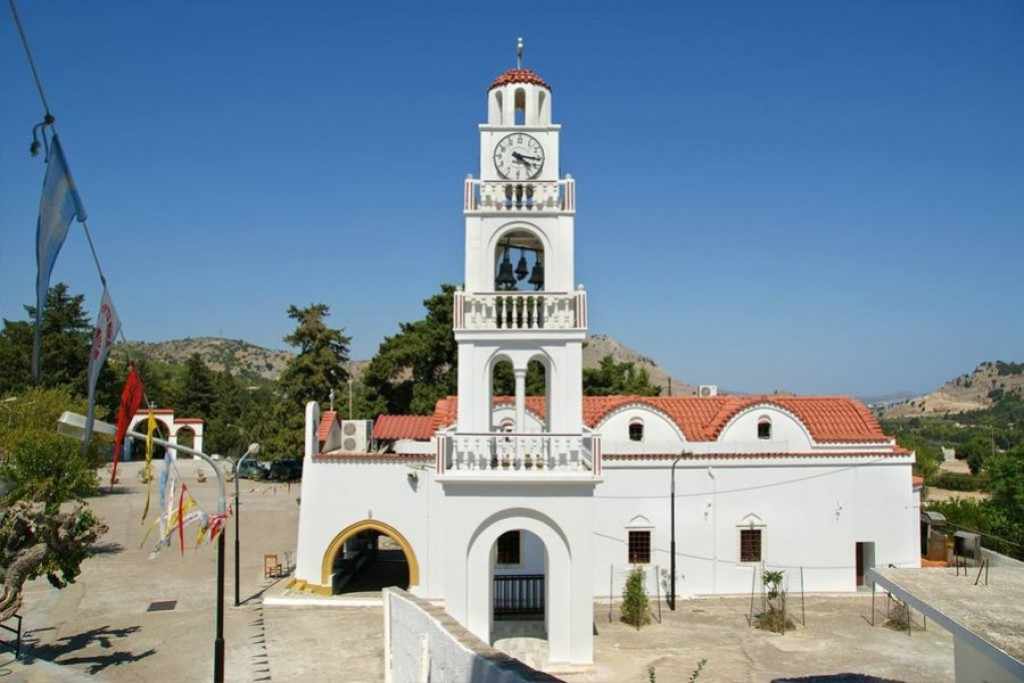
x=326, y=421
x=391, y=427
x=519, y=76
x=830, y=419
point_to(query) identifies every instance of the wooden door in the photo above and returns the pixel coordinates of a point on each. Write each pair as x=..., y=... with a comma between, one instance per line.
x=860, y=564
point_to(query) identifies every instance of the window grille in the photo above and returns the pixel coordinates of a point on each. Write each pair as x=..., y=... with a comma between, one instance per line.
x=639, y=547
x=750, y=545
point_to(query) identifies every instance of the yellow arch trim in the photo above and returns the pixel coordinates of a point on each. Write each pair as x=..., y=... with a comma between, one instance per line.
x=369, y=525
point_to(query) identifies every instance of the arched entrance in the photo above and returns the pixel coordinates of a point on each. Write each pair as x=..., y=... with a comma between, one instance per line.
x=368, y=556
x=186, y=436
x=519, y=589
x=482, y=568
x=138, y=446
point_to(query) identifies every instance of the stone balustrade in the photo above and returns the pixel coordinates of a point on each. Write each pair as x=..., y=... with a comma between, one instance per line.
x=520, y=310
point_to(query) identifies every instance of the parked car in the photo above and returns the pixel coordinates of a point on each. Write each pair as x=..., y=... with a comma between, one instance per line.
x=251, y=469
x=285, y=470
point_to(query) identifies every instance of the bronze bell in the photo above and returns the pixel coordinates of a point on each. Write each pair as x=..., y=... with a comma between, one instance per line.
x=521, y=268
x=537, y=276
x=506, y=279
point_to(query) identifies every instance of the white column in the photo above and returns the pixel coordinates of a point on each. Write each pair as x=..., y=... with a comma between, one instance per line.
x=520, y=374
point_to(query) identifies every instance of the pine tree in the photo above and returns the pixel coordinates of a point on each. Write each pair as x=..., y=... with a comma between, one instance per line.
x=417, y=366
x=196, y=394
x=321, y=365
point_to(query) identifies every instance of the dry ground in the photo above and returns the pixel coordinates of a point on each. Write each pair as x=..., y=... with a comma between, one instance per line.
x=99, y=628
x=838, y=638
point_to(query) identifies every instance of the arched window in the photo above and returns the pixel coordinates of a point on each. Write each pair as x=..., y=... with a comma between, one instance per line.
x=764, y=428
x=636, y=430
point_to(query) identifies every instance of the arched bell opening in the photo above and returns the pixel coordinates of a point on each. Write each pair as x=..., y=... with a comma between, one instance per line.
x=519, y=258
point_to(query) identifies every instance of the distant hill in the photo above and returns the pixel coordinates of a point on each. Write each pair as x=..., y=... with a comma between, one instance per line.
x=601, y=345
x=244, y=359
x=973, y=391
x=238, y=357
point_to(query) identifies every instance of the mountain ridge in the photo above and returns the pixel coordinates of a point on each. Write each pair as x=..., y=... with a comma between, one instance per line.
x=248, y=360
x=975, y=390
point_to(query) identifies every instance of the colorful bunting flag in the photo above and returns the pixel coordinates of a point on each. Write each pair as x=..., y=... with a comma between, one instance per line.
x=147, y=469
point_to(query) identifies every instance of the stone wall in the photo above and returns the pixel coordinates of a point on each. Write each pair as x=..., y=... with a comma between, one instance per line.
x=423, y=643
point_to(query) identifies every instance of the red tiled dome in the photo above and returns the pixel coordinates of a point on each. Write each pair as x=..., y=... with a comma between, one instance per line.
x=519, y=76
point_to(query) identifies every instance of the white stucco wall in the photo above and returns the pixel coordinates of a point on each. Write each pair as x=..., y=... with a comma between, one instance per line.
x=660, y=435
x=971, y=665
x=813, y=514
x=420, y=644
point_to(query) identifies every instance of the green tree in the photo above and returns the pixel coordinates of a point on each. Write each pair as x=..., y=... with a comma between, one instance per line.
x=66, y=341
x=39, y=464
x=196, y=394
x=1006, y=473
x=976, y=450
x=611, y=378
x=417, y=366
x=321, y=365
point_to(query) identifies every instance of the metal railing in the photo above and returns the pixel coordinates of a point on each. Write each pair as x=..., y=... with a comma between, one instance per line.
x=518, y=595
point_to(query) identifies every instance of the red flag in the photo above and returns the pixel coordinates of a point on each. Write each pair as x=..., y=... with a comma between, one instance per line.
x=131, y=399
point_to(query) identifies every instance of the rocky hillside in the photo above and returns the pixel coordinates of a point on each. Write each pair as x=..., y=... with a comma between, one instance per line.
x=238, y=357
x=601, y=345
x=249, y=360
x=973, y=391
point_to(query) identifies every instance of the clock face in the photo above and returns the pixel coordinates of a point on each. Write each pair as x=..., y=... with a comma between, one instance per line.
x=519, y=156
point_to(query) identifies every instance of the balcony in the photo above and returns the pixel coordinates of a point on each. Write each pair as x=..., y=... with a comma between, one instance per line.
x=553, y=196
x=521, y=310
x=519, y=455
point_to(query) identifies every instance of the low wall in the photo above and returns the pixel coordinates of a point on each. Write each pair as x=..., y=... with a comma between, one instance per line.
x=423, y=643
x=997, y=560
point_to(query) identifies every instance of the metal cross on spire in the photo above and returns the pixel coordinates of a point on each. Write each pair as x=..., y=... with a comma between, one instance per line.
x=519, y=53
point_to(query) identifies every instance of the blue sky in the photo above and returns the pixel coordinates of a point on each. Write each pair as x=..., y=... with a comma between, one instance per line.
x=818, y=197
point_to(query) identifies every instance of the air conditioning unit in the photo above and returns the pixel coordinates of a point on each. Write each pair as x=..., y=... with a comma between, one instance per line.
x=355, y=435
x=707, y=390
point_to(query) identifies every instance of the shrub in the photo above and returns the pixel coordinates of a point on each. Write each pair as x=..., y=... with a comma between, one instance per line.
x=49, y=468
x=636, y=608
x=955, y=481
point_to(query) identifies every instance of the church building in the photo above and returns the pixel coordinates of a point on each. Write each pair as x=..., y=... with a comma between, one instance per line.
x=502, y=504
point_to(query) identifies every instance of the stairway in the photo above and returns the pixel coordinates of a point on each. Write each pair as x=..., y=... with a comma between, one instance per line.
x=524, y=640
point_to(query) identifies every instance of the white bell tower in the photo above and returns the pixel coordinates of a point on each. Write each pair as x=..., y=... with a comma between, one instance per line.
x=520, y=302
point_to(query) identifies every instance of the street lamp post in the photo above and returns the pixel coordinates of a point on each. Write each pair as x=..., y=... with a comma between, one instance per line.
x=73, y=425
x=672, y=549
x=238, y=469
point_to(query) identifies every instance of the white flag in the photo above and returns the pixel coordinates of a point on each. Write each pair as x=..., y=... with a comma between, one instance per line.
x=103, y=337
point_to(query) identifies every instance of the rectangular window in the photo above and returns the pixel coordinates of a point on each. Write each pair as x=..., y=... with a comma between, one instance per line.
x=750, y=545
x=508, y=548
x=639, y=547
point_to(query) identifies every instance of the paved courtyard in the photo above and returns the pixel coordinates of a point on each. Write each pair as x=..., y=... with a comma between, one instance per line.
x=100, y=629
